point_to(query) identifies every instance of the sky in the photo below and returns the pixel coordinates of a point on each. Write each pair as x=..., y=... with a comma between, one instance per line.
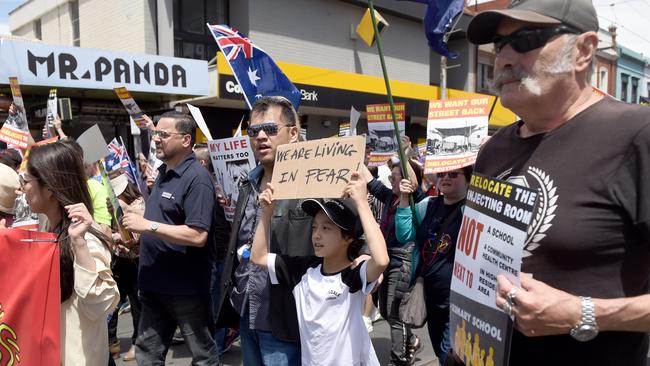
x=632, y=18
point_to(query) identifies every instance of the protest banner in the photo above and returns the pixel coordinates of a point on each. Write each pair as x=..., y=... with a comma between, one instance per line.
x=317, y=168
x=198, y=117
x=455, y=129
x=15, y=131
x=344, y=130
x=52, y=112
x=232, y=159
x=30, y=314
x=131, y=106
x=490, y=242
x=383, y=143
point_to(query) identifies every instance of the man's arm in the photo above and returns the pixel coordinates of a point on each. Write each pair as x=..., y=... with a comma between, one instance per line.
x=260, y=249
x=190, y=236
x=543, y=310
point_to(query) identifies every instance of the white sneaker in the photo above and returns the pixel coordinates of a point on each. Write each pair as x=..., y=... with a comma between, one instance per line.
x=375, y=315
x=368, y=323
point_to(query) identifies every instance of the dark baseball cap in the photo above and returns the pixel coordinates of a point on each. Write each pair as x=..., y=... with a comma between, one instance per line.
x=342, y=213
x=578, y=14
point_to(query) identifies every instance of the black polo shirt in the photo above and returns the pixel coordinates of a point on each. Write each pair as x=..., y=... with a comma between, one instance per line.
x=183, y=195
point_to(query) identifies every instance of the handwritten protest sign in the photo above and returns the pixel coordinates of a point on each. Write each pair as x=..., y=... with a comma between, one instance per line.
x=131, y=106
x=382, y=132
x=15, y=131
x=232, y=159
x=317, y=168
x=455, y=129
x=490, y=242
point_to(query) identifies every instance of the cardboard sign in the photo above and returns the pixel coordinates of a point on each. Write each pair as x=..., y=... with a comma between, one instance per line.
x=15, y=131
x=455, y=130
x=93, y=144
x=317, y=168
x=232, y=159
x=131, y=106
x=381, y=131
x=490, y=242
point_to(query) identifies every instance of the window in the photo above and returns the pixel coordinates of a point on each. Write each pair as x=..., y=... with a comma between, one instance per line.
x=74, y=16
x=624, y=82
x=37, y=29
x=484, y=77
x=603, y=79
x=635, y=91
x=191, y=37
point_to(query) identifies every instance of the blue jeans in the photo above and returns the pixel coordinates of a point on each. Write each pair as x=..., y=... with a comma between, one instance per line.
x=261, y=348
x=158, y=320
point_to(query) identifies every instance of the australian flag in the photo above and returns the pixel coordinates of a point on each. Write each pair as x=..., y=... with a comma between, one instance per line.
x=119, y=158
x=254, y=70
x=439, y=17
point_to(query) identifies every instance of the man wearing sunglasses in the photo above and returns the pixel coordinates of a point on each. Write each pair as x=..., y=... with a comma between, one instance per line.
x=268, y=325
x=180, y=229
x=588, y=247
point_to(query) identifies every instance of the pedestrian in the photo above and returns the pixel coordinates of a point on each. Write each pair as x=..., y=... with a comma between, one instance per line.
x=9, y=184
x=328, y=292
x=180, y=228
x=586, y=299
x=55, y=185
x=435, y=236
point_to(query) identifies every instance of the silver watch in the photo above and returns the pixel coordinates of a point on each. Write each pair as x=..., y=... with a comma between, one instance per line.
x=153, y=227
x=587, y=329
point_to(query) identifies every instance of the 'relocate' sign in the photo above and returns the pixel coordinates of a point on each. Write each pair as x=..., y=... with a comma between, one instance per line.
x=75, y=67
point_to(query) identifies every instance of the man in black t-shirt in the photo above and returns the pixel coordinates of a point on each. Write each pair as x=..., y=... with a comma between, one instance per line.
x=586, y=299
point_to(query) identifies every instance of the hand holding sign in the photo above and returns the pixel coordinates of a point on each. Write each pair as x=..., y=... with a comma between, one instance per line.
x=356, y=189
x=539, y=310
x=266, y=199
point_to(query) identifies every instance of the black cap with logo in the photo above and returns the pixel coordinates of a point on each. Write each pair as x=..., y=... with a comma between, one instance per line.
x=342, y=213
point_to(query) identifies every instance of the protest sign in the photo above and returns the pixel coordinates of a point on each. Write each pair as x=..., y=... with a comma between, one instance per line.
x=198, y=117
x=455, y=129
x=317, y=168
x=131, y=106
x=52, y=112
x=383, y=144
x=15, y=131
x=232, y=159
x=354, y=119
x=344, y=130
x=30, y=314
x=490, y=242
x=93, y=145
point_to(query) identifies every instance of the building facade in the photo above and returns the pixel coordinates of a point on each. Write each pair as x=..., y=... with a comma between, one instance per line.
x=630, y=71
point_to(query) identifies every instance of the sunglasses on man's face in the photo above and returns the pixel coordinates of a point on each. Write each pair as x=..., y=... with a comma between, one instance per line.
x=450, y=174
x=269, y=128
x=528, y=39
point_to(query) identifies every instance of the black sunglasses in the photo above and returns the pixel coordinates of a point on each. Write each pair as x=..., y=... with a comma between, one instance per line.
x=269, y=128
x=528, y=39
x=450, y=174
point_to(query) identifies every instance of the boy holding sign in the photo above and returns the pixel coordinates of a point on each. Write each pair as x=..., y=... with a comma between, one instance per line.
x=329, y=294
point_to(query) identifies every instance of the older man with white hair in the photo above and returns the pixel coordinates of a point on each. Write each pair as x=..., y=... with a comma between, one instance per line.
x=586, y=299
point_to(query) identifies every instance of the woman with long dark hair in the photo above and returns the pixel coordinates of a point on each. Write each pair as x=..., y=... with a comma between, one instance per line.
x=55, y=185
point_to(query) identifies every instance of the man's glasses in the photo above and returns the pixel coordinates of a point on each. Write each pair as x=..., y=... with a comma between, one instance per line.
x=450, y=174
x=165, y=134
x=269, y=128
x=528, y=39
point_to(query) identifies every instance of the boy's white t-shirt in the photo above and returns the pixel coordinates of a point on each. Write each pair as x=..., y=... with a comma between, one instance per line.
x=329, y=307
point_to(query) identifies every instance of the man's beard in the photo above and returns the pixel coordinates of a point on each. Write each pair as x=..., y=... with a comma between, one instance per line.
x=562, y=64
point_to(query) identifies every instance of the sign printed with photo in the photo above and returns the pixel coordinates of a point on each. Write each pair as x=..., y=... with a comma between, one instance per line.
x=455, y=130
x=317, y=168
x=490, y=242
x=381, y=131
x=131, y=106
x=15, y=131
x=52, y=112
x=232, y=159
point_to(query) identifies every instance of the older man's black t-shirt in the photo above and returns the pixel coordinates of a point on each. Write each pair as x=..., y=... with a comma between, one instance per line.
x=591, y=233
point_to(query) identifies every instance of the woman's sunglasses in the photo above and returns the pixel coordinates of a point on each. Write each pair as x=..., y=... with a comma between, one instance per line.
x=450, y=174
x=528, y=39
x=269, y=128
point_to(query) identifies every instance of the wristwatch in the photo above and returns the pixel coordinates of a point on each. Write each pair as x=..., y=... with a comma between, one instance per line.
x=153, y=227
x=587, y=329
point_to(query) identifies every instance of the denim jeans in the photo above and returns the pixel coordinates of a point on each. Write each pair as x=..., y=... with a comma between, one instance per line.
x=160, y=315
x=261, y=348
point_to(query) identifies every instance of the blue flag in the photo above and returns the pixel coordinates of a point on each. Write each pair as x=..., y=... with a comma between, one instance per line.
x=439, y=17
x=254, y=70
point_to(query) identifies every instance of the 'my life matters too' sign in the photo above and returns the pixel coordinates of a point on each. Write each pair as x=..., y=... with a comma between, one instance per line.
x=74, y=67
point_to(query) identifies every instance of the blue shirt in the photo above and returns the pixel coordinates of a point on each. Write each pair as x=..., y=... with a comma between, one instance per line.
x=182, y=195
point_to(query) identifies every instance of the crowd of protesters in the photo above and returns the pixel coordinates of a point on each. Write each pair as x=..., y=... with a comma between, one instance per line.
x=291, y=278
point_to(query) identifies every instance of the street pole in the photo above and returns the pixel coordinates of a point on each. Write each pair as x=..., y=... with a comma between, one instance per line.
x=402, y=156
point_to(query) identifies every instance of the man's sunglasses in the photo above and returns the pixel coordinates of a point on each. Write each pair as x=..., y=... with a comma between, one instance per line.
x=269, y=128
x=528, y=39
x=450, y=174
